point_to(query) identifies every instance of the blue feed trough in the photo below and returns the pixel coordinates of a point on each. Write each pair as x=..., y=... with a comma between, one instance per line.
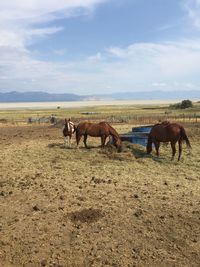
x=139, y=135
x=142, y=129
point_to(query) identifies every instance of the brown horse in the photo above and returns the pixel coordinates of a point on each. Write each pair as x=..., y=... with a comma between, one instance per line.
x=167, y=132
x=68, y=130
x=102, y=129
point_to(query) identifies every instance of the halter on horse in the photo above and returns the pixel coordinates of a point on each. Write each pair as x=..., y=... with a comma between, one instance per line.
x=167, y=132
x=68, y=130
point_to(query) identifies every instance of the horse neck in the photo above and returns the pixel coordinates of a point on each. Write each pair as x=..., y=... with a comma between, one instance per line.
x=67, y=127
x=113, y=133
x=149, y=141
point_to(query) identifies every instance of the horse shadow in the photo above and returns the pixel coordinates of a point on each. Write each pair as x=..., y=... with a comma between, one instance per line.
x=159, y=159
x=59, y=145
x=89, y=147
x=63, y=146
x=139, y=152
x=136, y=150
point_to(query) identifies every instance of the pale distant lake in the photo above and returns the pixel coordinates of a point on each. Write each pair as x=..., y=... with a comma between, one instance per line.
x=76, y=104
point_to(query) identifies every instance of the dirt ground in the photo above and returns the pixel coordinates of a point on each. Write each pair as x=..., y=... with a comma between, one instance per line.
x=65, y=207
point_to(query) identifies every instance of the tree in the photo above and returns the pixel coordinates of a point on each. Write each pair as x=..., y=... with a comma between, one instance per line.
x=182, y=105
x=186, y=104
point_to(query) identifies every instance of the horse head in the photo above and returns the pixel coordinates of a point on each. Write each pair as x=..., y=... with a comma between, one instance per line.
x=117, y=142
x=66, y=126
x=69, y=126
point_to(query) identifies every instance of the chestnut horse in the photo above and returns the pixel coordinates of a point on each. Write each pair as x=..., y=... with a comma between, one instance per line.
x=68, y=130
x=167, y=132
x=102, y=129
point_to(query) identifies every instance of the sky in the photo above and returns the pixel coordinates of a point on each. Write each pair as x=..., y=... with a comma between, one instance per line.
x=99, y=46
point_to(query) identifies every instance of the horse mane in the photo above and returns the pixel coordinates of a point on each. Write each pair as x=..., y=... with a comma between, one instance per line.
x=113, y=132
x=163, y=123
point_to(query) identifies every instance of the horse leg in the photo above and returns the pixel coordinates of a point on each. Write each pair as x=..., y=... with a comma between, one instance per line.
x=157, y=145
x=70, y=137
x=173, y=146
x=149, y=145
x=65, y=140
x=85, y=140
x=78, y=138
x=103, y=140
x=180, y=149
x=68, y=140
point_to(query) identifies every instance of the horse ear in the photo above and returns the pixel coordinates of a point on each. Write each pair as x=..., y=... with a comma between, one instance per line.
x=65, y=120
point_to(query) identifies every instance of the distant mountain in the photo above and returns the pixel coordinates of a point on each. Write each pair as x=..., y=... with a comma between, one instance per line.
x=160, y=95
x=37, y=97
x=47, y=97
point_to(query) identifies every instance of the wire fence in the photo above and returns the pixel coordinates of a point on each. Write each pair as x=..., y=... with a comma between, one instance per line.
x=144, y=119
x=133, y=119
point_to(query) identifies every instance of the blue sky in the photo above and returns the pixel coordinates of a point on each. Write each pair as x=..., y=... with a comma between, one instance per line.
x=99, y=46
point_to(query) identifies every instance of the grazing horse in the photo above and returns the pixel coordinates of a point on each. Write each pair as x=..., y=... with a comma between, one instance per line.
x=102, y=129
x=167, y=132
x=68, y=130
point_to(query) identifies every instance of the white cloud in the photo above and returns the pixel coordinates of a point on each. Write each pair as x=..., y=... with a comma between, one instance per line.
x=117, y=52
x=168, y=58
x=144, y=66
x=193, y=9
x=20, y=25
x=139, y=66
x=19, y=18
x=37, y=10
x=20, y=37
x=158, y=84
x=95, y=58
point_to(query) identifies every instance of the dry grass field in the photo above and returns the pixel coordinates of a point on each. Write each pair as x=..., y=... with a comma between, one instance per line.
x=68, y=207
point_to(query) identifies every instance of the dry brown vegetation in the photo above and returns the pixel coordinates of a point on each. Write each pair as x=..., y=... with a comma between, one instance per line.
x=93, y=207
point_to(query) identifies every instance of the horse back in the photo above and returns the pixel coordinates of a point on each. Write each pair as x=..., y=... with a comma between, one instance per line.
x=166, y=132
x=92, y=129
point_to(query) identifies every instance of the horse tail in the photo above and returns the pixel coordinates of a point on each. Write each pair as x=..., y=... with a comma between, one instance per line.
x=184, y=137
x=76, y=129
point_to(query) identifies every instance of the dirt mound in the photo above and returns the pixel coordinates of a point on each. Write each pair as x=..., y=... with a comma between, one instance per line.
x=85, y=215
x=127, y=151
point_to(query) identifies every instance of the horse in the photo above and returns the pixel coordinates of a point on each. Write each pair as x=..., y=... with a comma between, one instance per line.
x=167, y=132
x=68, y=130
x=101, y=129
